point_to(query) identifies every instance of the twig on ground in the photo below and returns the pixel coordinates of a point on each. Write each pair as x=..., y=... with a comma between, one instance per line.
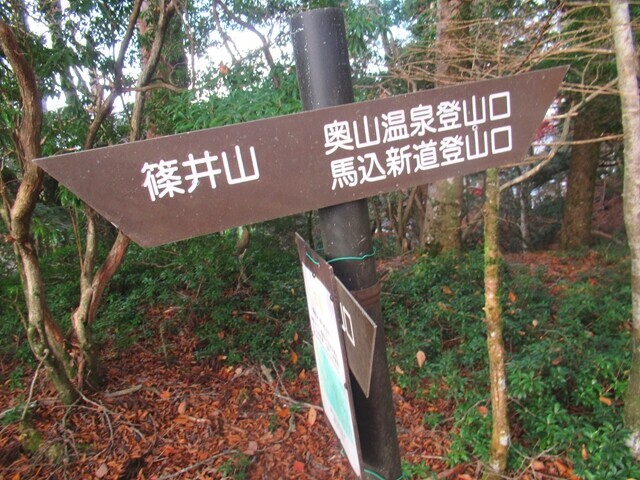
x=32, y=386
x=298, y=402
x=197, y=464
x=125, y=391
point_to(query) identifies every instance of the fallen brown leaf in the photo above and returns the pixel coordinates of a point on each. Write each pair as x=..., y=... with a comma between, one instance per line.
x=251, y=449
x=537, y=465
x=298, y=467
x=421, y=357
x=607, y=401
x=482, y=410
x=102, y=471
x=312, y=416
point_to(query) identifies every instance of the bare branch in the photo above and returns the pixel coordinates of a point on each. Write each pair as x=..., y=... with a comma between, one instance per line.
x=567, y=143
x=530, y=173
x=149, y=68
x=226, y=40
x=192, y=48
x=106, y=107
x=156, y=85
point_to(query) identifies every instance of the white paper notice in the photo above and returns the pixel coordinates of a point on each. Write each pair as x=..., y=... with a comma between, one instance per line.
x=330, y=360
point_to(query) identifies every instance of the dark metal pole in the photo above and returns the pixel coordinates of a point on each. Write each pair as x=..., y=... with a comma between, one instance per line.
x=324, y=79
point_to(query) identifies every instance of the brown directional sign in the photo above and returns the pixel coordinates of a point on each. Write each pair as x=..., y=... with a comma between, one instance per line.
x=171, y=188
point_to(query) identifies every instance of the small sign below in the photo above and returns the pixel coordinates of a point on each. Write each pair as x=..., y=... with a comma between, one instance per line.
x=331, y=359
x=359, y=332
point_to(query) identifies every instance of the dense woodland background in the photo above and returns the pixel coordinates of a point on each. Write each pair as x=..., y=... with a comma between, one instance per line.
x=194, y=360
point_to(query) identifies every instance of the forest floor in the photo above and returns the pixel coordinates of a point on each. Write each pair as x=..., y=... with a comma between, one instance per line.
x=163, y=414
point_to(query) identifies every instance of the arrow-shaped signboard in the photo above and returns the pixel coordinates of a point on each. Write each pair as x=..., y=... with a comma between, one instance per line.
x=171, y=188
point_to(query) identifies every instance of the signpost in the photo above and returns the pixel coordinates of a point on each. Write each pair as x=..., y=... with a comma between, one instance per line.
x=324, y=80
x=331, y=157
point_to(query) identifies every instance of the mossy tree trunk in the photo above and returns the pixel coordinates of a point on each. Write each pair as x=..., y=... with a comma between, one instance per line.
x=67, y=369
x=581, y=184
x=626, y=61
x=441, y=229
x=500, y=434
x=17, y=215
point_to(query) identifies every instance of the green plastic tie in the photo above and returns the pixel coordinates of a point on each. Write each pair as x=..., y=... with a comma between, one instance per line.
x=363, y=257
x=313, y=260
x=380, y=477
x=342, y=259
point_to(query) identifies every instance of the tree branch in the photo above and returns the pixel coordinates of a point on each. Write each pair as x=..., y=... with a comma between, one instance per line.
x=28, y=134
x=265, y=44
x=157, y=84
x=226, y=40
x=166, y=13
x=552, y=153
x=106, y=107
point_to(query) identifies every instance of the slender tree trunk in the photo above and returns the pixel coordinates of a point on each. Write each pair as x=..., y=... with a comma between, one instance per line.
x=37, y=336
x=523, y=196
x=400, y=219
x=93, y=283
x=581, y=184
x=628, y=85
x=500, y=435
x=441, y=228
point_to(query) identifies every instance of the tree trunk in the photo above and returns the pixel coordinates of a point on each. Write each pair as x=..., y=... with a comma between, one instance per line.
x=57, y=371
x=43, y=333
x=441, y=226
x=400, y=218
x=441, y=229
x=93, y=283
x=628, y=86
x=581, y=183
x=523, y=196
x=500, y=435
x=20, y=213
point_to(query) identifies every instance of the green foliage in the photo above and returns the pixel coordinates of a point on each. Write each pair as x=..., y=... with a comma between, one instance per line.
x=436, y=306
x=248, y=96
x=419, y=470
x=265, y=319
x=568, y=353
x=236, y=466
x=248, y=308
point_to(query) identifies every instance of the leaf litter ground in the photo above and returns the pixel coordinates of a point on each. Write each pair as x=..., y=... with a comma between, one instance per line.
x=169, y=416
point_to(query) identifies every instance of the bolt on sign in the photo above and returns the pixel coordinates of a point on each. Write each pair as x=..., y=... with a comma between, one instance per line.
x=180, y=186
x=329, y=348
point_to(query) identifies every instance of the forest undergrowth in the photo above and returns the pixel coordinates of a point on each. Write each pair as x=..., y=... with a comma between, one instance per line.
x=210, y=371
